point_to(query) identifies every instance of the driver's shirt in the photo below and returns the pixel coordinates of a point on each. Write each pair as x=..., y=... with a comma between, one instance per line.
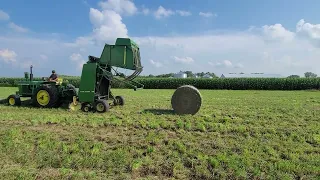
x=53, y=76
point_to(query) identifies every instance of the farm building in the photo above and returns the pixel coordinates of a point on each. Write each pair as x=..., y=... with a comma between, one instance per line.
x=180, y=75
x=252, y=75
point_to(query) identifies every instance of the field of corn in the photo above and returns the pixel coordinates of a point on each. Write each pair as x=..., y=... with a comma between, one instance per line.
x=236, y=135
x=215, y=83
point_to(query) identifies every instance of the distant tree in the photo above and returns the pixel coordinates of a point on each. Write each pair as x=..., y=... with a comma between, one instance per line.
x=294, y=76
x=165, y=75
x=189, y=73
x=310, y=75
x=211, y=74
x=151, y=75
x=200, y=74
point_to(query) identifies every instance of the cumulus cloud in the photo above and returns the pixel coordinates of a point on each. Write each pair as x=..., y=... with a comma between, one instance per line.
x=207, y=14
x=251, y=48
x=107, y=25
x=4, y=16
x=224, y=64
x=156, y=63
x=78, y=59
x=163, y=13
x=184, y=60
x=277, y=32
x=126, y=7
x=184, y=13
x=310, y=31
x=17, y=28
x=8, y=55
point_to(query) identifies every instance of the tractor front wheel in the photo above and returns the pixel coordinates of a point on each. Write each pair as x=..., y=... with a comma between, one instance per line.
x=14, y=100
x=101, y=106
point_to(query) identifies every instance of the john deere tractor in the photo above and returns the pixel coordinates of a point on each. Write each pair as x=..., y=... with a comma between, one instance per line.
x=43, y=93
x=94, y=92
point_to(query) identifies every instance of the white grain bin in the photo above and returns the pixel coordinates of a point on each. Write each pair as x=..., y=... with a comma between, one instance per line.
x=180, y=75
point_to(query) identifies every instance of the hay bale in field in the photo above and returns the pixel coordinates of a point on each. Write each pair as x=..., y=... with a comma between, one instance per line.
x=186, y=100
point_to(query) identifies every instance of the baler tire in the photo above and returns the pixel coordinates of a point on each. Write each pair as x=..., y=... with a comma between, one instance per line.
x=101, y=106
x=14, y=100
x=119, y=100
x=53, y=94
x=85, y=107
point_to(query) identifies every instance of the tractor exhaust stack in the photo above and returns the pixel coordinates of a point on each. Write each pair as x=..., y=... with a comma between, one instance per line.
x=31, y=74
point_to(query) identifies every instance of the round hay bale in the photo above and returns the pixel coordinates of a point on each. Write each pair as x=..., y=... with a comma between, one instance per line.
x=186, y=100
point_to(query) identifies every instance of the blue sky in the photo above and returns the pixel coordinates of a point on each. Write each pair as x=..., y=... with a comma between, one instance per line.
x=219, y=36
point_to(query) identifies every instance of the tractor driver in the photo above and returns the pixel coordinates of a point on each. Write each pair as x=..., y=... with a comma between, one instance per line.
x=53, y=76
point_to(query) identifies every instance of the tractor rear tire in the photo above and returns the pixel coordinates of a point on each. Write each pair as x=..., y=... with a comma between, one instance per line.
x=46, y=97
x=14, y=100
x=119, y=100
x=101, y=106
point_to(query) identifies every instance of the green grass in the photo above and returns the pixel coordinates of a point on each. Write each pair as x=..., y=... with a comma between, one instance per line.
x=236, y=135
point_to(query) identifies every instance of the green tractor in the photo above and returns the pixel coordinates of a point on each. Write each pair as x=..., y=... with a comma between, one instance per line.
x=94, y=93
x=43, y=93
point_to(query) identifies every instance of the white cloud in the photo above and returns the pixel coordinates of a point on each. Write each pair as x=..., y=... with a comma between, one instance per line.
x=239, y=65
x=126, y=7
x=310, y=31
x=78, y=59
x=227, y=63
x=156, y=63
x=4, y=16
x=145, y=11
x=8, y=55
x=207, y=14
x=184, y=13
x=163, y=13
x=236, y=48
x=240, y=48
x=17, y=28
x=277, y=32
x=107, y=25
x=43, y=57
x=223, y=64
x=184, y=60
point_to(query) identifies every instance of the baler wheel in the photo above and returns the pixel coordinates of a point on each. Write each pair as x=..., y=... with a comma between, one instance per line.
x=119, y=100
x=85, y=107
x=14, y=100
x=101, y=106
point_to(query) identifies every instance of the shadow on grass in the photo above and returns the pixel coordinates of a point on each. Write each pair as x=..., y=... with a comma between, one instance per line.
x=28, y=103
x=159, y=111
